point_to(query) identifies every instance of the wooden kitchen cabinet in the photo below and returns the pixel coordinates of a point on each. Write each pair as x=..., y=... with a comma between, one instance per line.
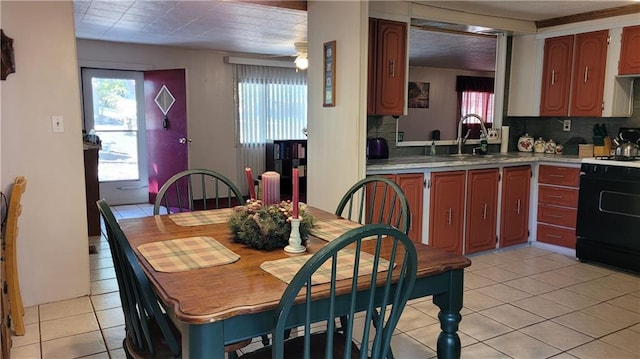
x=481, y=210
x=629, y=63
x=573, y=75
x=556, y=76
x=514, y=215
x=557, y=205
x=446, y=212
x=387, y=67
x=589, y=65
x=412, y=184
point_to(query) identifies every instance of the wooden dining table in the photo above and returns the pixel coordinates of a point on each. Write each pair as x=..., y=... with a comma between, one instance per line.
x=225, y=304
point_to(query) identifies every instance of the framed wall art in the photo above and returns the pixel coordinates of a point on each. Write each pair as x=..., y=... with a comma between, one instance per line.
x=418, y=95
x=329, y=93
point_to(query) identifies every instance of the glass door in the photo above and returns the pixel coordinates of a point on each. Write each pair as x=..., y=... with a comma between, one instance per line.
x=114, y=108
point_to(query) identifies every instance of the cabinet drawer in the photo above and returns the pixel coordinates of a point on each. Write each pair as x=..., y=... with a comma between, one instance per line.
x=559, y=196
x=561, y=176
x=557, y=215
x=555, y=235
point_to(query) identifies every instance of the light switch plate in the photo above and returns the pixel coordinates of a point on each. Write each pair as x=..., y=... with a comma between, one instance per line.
x=57, y=124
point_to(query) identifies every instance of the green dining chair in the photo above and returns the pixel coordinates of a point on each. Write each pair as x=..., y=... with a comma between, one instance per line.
x=385, y=292
x=197, y=189
x=149, y=333
x=376, y=200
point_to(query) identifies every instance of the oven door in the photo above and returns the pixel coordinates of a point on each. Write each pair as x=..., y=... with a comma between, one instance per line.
x=609, y=211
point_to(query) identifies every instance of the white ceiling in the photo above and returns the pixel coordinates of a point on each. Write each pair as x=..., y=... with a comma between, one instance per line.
x=241, y=27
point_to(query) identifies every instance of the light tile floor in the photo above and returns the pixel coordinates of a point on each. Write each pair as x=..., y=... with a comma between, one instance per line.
x=523, y=302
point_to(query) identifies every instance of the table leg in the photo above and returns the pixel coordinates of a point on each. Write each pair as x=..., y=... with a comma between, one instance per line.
x=450, y=304
x=204, y=341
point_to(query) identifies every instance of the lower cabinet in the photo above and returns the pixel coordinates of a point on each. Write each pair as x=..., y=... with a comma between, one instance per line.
x=412, y=184
x=514, y=210
x=482, y=210
x=557, y=205
x=446, y=211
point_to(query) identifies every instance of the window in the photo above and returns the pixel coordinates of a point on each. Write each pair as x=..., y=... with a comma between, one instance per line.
x=475, y=96
x=271, y=104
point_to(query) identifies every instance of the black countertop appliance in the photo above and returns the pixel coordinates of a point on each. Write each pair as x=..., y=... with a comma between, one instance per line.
x=377, y=148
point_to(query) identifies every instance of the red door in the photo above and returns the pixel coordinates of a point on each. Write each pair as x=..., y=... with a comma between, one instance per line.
x=167, y=144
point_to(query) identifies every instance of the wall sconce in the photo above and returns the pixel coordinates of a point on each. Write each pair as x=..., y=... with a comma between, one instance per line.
x=302, y=63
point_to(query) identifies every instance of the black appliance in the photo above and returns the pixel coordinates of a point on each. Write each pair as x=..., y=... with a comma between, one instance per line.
x=608, y=226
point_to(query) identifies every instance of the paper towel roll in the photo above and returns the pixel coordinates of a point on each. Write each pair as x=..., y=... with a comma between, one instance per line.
x=504, y=139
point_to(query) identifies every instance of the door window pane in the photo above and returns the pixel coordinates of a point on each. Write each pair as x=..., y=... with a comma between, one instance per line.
x=115, y=121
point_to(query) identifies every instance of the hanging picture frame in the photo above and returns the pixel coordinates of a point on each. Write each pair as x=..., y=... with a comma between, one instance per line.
x=329, y=70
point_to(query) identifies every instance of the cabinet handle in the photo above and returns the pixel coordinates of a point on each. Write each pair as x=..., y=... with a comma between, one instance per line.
x=586, y=74
x=484, y=212
x=556, y=176
x=449, y=216
x=553, y=77
x=392, y=68
x=518, y=207
x=555, y=196
x=553, y=216
x=553, y=236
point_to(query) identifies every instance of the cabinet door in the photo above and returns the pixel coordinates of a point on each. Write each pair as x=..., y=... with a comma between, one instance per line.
x=514, y=217
x=630, y=52
x=390, y=60
x=482, y=203
x=371, y=71
x=412, y=185
x=556, y=76
x=588, y=74
x=446, y=212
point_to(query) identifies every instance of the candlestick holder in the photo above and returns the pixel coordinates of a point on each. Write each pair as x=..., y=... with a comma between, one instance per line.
x=295, y=242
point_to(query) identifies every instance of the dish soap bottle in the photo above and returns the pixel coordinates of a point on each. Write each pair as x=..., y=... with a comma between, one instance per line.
x=433, y=148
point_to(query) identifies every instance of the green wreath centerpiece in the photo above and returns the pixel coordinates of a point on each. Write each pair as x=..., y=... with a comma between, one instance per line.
x=267, y=227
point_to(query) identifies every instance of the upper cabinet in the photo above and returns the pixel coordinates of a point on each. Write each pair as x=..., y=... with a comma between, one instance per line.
x=556, y=76
x=589, y=64
x=540, y=83
x=560, y=95
x=630, y=51
x=387, y=67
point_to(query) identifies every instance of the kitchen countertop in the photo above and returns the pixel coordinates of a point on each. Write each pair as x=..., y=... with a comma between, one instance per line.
x=443, y=161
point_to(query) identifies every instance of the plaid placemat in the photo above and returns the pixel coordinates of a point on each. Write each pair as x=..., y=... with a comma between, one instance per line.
x=199, y=218
x=183, y=254
x=285, y=269
x=330, y=229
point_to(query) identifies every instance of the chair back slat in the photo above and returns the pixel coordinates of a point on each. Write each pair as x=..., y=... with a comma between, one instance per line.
x=388, y=292
x=376, y=200
x=206, y=189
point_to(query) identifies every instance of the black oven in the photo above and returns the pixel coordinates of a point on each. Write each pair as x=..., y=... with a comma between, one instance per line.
x=608, y=227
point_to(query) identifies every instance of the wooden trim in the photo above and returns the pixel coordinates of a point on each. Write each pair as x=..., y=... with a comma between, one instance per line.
x=286, y=4
x=591, y=15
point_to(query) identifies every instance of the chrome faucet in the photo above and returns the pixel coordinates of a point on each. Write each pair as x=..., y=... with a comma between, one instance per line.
x=461, y=140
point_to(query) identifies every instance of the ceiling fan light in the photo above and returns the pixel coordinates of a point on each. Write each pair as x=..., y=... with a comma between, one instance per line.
x=302, y=63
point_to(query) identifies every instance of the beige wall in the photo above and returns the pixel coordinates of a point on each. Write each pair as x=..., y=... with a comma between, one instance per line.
x=443, y=104
x=53, y=258
x=210, y=108
x=336, y=156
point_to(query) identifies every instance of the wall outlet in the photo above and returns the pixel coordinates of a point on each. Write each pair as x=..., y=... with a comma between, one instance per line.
x=566, y=125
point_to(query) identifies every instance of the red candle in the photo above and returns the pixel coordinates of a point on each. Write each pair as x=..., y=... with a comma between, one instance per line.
x=252, y=188
x=295, y=191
